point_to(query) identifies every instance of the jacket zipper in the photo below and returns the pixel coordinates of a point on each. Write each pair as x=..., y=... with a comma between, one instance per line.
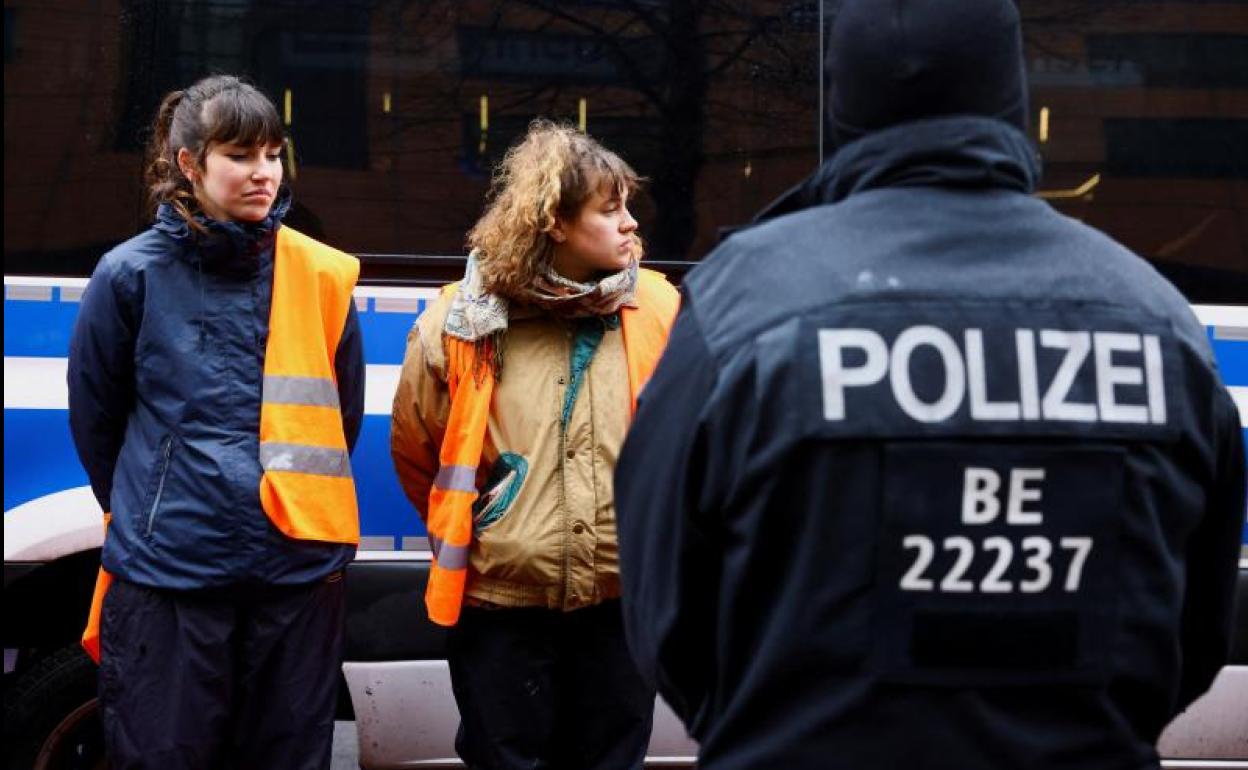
x=160, y=486
x=563, y=474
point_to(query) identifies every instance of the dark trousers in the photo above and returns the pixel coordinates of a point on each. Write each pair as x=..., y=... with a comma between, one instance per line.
x=207, y=680
x=540, y=688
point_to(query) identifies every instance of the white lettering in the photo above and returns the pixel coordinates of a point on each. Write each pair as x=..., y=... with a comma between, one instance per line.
x=1108, y=377
x=955, y=581
x=1028, y=379
x=992, y=582
x=1082, y=546
x=1021, y=494
x=1037, y=551
x=1041, y=549
x=951, y=359
x=1056, y=407
x=981, y=407
x=1090, y=361
x=979, y=496
x=1156, y=380
x=837, y=377
x=913, y=580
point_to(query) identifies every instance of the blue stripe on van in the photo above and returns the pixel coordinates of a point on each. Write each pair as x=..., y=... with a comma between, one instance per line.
x=47, y=462
x=38, y=328
x=51, y=466
x=42, y=329
x=385, y=335
x=384, y=509
x=1232, y=358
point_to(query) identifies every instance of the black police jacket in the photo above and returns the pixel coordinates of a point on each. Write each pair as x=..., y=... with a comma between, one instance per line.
x=930, y=476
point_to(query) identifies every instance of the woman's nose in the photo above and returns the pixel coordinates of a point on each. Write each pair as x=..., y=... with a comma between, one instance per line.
x=628, y=224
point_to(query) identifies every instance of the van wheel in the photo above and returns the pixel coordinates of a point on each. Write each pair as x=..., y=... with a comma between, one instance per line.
x=52, y=717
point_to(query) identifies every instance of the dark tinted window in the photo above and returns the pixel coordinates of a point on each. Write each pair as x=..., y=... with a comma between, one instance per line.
x=311, y=58
x=399, y=110
x=1193, y=148
x=1172, y=60
x=10, y=31
x=1141, y=113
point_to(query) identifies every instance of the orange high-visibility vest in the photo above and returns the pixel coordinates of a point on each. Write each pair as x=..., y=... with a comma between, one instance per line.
x=91, y=635
x=449, y=519
x=307, y=490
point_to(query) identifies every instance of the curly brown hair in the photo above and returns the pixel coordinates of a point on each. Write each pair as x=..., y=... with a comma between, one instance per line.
x=546, y=176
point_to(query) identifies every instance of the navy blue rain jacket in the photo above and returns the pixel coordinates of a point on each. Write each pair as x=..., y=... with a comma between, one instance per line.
x=930, y=476
x=165, y=370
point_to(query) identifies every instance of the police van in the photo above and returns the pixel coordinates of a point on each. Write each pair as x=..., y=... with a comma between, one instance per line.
x=396, y=114
x=398, y=684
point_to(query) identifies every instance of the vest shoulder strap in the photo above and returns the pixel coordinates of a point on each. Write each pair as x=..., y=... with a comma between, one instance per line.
x=323, y=256
x=656, y=294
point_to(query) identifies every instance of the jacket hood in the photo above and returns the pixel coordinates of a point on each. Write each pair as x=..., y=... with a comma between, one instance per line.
x=896, y=61
x=962, y=152
x=227, y=247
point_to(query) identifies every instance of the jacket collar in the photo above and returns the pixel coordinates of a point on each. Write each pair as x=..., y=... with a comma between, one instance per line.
x=230, y=247
x=963, y=152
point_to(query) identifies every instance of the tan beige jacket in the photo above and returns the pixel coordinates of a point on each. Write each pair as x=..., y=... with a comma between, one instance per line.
x=554, y=544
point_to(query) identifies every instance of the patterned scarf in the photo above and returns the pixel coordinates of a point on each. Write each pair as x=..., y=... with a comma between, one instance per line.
x=479, y=317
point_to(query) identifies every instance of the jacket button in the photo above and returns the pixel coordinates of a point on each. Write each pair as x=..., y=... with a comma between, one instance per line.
x=571, y=453
x=562, y=380
x=577, y=528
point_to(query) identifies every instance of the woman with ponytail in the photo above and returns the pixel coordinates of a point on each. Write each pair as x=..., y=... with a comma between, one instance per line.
x=216, y=385
x=516, y=391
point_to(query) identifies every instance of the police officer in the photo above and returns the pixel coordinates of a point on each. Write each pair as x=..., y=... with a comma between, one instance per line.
x=930, y=475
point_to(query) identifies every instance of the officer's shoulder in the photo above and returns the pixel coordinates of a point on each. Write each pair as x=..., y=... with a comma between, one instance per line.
x=778, y=230
x=1137, y=282
x=747, y=279
x=741, y=252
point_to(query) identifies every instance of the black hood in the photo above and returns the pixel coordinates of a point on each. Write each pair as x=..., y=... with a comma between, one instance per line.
x=897, y=61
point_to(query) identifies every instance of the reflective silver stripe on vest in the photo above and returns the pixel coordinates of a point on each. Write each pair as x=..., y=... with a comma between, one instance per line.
x=456, y=478
x=301, y=458
x=448, y=556
x=309, y=391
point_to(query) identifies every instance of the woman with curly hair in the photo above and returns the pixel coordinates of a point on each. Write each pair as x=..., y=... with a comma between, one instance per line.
x=517, y=389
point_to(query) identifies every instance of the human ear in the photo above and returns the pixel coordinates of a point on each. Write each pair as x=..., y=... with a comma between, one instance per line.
x=556, y=232
x=186, y=162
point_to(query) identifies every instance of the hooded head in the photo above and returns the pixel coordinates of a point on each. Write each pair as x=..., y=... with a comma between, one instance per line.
x=894, y=61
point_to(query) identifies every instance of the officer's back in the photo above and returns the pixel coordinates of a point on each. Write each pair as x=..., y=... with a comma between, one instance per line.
x=930, y=476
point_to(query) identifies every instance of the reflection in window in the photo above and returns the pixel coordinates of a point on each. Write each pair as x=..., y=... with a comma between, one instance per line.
x=400, y=109
x=1172, y=60
x=1191, y=148
x=10, y=34
x=1149, y=99
x=312, y=55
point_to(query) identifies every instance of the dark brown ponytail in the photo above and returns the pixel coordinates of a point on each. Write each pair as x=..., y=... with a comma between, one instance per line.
x=165, y=180
x=215, y=110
